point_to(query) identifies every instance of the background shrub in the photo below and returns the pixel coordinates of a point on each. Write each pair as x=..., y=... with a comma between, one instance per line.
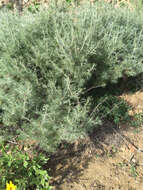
x=50, y=58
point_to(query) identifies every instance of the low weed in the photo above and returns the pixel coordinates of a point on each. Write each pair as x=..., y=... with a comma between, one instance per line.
x=24, y=171
x=137, y=120
x=114, y=109
x=133, y=170
x=34, y=6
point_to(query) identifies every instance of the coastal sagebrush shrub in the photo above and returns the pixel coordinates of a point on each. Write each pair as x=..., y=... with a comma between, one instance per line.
x=47, y=61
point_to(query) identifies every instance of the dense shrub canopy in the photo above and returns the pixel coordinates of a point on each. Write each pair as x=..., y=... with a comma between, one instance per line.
x=48, y=59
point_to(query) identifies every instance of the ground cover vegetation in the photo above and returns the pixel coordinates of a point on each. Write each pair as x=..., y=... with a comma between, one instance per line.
x=24, y=169
x=52, y=61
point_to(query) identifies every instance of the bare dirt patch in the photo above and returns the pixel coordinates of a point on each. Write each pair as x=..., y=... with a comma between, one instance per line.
x=135, y=100
x=112, y=164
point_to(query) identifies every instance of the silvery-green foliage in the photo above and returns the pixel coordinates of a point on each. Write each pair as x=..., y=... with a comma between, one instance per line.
x=47, y=60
